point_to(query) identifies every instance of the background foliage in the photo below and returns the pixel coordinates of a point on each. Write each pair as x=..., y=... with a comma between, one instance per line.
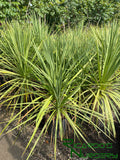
x=61, y=13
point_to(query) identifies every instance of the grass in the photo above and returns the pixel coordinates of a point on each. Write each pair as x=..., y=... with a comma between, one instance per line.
x=72, y=76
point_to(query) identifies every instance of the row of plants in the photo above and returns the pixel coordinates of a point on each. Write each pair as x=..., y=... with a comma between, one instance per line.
x=61, y=13
x=72, y=76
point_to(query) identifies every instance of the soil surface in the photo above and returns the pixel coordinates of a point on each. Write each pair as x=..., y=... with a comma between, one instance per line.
x=13, y=144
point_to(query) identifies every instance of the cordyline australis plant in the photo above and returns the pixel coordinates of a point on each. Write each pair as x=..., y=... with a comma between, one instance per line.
x=103, y=81
x=44, y=76
x=15, y=42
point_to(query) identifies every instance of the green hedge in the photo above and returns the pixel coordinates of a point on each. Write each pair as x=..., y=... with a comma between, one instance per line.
x=61, y=12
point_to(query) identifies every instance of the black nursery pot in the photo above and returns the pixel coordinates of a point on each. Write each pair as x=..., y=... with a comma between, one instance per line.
x=51, y=129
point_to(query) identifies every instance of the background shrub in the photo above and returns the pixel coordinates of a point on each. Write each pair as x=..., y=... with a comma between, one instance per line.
x=60, y=13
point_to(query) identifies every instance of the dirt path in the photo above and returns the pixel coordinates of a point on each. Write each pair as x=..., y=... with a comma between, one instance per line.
x=12, y=150
x=8, y=151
